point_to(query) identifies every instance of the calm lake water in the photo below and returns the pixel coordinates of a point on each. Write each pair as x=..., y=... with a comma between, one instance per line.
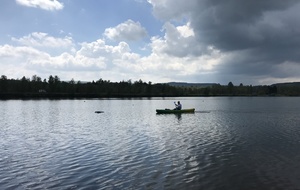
x=229, y=143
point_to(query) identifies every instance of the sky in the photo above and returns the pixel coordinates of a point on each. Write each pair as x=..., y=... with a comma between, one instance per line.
x=253, y=42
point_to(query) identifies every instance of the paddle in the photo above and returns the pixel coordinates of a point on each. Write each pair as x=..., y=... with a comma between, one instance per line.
x=170, y=109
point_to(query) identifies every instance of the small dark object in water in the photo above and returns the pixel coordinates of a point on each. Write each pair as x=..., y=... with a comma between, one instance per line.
x=99, y=111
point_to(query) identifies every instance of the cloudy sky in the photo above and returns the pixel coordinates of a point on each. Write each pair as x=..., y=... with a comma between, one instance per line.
x=250, y=42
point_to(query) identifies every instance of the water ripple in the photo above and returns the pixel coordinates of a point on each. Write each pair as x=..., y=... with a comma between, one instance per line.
x=64, y=145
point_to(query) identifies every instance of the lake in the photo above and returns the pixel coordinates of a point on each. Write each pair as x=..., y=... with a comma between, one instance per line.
x=228, y=143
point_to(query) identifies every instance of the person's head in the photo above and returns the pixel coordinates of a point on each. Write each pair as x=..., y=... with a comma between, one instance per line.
x=178, y=102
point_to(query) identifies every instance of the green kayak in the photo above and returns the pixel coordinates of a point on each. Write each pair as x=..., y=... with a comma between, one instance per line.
x=192, y=110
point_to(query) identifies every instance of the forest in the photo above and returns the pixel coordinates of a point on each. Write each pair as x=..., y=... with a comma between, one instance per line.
x=53, y=87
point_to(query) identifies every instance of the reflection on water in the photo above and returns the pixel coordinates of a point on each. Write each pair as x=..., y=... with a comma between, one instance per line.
x=228, y=143
x=178, y=116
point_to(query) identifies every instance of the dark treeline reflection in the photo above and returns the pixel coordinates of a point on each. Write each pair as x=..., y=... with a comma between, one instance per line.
x=53, y=87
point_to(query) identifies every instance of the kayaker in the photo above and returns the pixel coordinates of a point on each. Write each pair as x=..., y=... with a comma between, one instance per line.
x=177, y=106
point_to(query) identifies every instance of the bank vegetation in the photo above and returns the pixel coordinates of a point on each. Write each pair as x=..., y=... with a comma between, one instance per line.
x=53, y=87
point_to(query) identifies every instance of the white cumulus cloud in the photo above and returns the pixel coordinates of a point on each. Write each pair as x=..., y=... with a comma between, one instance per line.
x=127, y=31
x=49, y=5
x=40, y=39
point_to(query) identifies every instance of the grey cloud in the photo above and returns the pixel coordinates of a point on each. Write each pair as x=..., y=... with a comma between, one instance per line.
x=259, y=34
x=172, y=9
x=234, y=25
x=256, y=63
x=257, y=37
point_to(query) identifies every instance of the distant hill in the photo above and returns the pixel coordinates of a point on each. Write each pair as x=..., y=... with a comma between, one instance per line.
x=287, y=84
x=196, y=85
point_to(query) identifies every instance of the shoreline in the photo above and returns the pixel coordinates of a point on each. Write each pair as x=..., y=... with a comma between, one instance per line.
x=24, y=96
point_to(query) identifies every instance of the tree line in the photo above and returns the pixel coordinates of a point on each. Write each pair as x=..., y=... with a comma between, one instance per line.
x=53, y=87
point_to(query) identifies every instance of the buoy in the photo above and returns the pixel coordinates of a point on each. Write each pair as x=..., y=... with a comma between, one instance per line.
x=99, y=111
